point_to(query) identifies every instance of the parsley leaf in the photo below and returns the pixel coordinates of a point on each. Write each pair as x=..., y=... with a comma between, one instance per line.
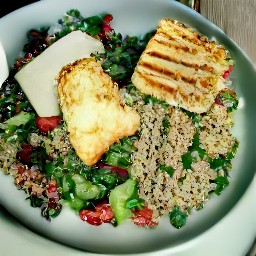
x=177, y=217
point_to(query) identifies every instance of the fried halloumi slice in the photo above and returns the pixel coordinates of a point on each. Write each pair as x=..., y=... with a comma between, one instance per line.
x=181, y=67
x=92, y=109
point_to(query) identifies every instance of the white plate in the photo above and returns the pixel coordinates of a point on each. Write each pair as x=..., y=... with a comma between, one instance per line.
x=132, y=17
x=233, y=235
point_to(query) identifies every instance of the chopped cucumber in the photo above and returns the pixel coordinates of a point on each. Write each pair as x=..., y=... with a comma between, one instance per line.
x=87, y=191
x=78, y=179
x=119, y=197
x=76, y=203
x=67, y=183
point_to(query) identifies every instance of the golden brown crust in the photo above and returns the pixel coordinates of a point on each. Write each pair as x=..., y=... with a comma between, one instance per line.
x=181, y=67
x=92, y=109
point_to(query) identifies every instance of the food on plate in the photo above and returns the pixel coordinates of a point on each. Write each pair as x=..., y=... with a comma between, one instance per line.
x=181, y=67
x=144, y=128
x=92, y=109
x=44, y=69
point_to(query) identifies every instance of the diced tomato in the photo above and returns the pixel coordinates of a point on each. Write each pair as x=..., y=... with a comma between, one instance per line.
x=101, y=214
x=106, y=213
x=143, y=218
x=226, y=73
x=46, y=124
x=106, y=27
x=90, y=216
x=140, y=221
x=52, y=189
x=217, y=101
x=26, y=152
x=52, y=192
x=121, y=172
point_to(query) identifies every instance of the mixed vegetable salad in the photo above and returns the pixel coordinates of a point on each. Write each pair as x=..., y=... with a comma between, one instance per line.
x=37, y=153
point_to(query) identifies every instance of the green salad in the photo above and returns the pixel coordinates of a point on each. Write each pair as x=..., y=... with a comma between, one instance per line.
x=37, y=152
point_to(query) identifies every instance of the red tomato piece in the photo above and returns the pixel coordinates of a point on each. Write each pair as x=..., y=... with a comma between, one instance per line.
x=143, y=218
x=140, y=221
x=46, y=124
x=90, y=216
x=106, y=213
x=106, y=27
x=227, y=72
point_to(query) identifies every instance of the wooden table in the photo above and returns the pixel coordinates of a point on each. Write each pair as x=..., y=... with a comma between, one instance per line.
x=237, y=18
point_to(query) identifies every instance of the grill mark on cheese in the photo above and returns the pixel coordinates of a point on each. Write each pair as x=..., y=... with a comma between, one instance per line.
x=204, y=67
x=167, y=73
x=182, y=67
x=149, y=78
x=155, y=84
x=182, y=32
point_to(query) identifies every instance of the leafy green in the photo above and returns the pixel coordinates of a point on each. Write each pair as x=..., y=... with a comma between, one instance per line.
x=73, y=20
x=229, y=99
x=121, y=56
x=105, y=179
x=224, y=162
x=167, y=169
x=20, y=119
x=187, y=158
x=12, y=100
x=18, y=127
x=35, y=201
x=53, y=213
x=222, y=182
x=196, y=118
x=152, y=100
x=220, y=163
x=119, y=154
x=177, y=217
x=135, y=203
x=166, y=125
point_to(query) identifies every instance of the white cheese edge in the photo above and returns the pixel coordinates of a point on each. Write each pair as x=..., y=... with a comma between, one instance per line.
x=38, y=78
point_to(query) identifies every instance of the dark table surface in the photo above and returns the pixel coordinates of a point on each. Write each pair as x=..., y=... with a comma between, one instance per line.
x=13, y=5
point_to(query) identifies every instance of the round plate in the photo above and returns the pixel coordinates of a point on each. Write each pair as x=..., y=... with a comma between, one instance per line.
x=135, y=17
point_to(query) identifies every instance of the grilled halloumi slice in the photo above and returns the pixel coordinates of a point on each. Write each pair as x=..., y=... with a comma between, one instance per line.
x=92, y=109
x=181, y=67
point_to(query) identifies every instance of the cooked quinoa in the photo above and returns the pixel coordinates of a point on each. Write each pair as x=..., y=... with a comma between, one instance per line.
x=56, y=145
x=185, y=188
x=216, y=137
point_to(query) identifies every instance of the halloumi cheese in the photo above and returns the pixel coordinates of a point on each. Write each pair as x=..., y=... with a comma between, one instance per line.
x=92, y=109
x=181, y=67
